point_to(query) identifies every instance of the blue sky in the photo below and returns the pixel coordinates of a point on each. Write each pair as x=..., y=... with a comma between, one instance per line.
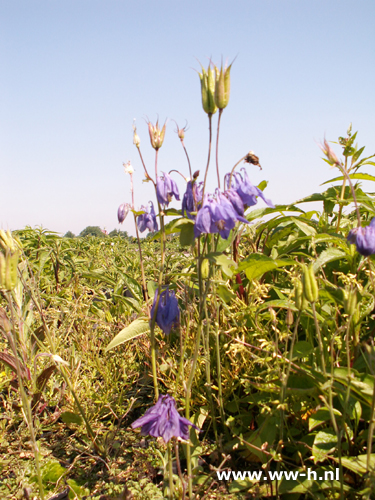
x=75, y=73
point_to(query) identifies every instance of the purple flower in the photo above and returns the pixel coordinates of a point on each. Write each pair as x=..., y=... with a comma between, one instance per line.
x=192, y=196
x=122, y=212
x=147, y=220
x=217, y=216
x=168, y=313
x=166, y=187
x=246, y=191
x=163, y=420
x=364, y=238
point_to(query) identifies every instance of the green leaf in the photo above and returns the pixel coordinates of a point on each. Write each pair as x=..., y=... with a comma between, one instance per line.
x=302, y=349
x=325, y=443
x=364, y=177
x=135, y=329
x=329, y=255
x=223, y=261
x=320, y=417
x=257, y=264
x=305, y=228
x=187, y=234
x=69, y=417
x=357, y=464
x=224, y=293
x=152, y=286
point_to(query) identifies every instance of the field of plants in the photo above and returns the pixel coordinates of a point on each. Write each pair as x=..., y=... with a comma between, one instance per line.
x=232, y=339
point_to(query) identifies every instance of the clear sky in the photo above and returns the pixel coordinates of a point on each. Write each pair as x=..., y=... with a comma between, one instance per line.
x=75, y=73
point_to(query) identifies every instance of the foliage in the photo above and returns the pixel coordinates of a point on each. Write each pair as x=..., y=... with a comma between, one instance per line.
x=273, y=358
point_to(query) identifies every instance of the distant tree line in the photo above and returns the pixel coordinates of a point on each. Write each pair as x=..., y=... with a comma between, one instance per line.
x=96, y=231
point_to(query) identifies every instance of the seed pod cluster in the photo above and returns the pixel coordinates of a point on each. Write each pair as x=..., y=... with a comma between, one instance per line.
x=299, y=298
x=309, y=283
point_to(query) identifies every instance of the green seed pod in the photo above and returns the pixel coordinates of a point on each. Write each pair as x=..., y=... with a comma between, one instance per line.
x=205, y=268
x=222, y=87
x=2, y=270
x=350, y=302
x=208, y=89
x=310, y=285
x=289, y=317
x=300, y=300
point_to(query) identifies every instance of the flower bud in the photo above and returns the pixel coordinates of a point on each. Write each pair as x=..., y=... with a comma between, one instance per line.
x=222, y=86
x=310, y=285
x=208, y=90
x=136, y=139
x=156, y=135
x=122, y=212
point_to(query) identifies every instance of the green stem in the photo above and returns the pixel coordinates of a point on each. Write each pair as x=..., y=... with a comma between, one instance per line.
x=320, y=343
x=217, y=148
x=170, y=471
x=209, y=154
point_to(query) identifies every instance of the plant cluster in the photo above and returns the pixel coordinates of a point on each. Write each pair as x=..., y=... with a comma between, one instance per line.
x=244, y=337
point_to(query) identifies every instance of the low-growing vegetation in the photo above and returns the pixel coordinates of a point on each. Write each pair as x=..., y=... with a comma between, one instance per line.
x=257, y=322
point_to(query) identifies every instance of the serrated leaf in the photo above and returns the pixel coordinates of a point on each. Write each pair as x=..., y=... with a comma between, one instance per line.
x=325, y=443
x=320, y=417
x=135, y=329
x=329, y=255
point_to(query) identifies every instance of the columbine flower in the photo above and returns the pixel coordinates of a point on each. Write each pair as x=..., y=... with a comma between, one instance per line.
x=163, y=420
x=192, y=196
x=364, y=238
x=216, y=216
x=122, y=212
x=156, y=135
x=246, y=191
x=147, y=220
x=168, y=313
x=128, y=168
x=166, y=187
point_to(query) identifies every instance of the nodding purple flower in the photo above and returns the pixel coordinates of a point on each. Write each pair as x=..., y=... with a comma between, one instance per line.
x=245, y=189
x=147, y=220
x=364, y=238
x=192, y=196
x=163, y=420
x=168, y=313
x=122, y=212
x=236, y=201
x=166, y=187
x=217, y=216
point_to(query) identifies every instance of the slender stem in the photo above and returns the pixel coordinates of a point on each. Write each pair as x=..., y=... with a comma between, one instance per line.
x=217, y=148
x=188, y=159
x=156, y=163
x=206, y=343
x=170, y=471
x=145, y=294
x=341, y=198
x=233, y=169
x=209, y=153
x=218, y=364
x=320, y=343
x=144, y=167
x=370, y=432
x=179, y=472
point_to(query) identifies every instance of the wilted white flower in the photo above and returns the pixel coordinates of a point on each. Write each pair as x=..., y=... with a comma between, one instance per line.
x=128, y=168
